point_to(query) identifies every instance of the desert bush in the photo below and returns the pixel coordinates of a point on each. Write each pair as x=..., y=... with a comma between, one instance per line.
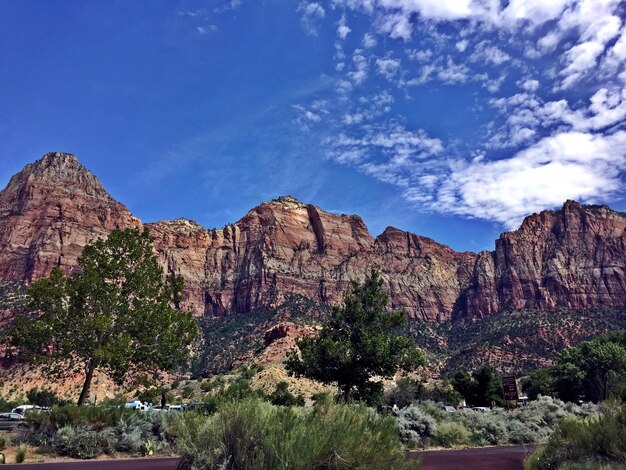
x=415, y=426
x=97, y=417
x=254, y=434
x=20, y=454
x=188, y=391
x=485, y=428
x=3, y=442
x=283, y=397
x=433, y=409
x=451, y=434
x=595, y=440
x=81, y=442
x=131, y=432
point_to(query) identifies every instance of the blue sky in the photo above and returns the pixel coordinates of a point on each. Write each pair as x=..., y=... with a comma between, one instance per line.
x=448, y=118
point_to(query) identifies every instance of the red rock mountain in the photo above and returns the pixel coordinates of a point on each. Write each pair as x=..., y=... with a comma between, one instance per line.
x=570, y=258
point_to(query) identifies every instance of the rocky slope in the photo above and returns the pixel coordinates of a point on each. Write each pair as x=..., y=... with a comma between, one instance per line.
x=571, y=258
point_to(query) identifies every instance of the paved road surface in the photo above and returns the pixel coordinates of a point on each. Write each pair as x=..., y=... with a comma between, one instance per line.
x=487, y=458
x=161, y=463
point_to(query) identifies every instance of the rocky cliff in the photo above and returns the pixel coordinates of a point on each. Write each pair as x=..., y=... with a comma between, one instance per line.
x=571, y=258
x=48, y=212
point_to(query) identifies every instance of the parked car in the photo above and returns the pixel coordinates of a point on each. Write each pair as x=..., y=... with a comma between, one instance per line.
x=23, y=409
x=448, y=409
x=9, y=421
x=482, y=409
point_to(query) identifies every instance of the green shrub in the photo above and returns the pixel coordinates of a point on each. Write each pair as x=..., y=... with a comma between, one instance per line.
x=3, y=442
x=254, y=434
x=81, y=442
x=283, y=397
x=415, y=426
x=206, y=386
x=485, y=428
x=132, y=431
x=595, y=440
x=97, y=417
x=20, y=454
x=452, y=434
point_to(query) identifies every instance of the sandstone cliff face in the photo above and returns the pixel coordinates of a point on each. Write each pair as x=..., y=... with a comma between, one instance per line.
x=48, y=212
x=284, y=247
x=571, y=258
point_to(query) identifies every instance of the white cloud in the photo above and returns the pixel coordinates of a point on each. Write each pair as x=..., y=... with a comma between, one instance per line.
x=403, y=151
x=433, y=9
x=342, y=28
x=368, y=41
x=461, y=45
x=529, y=84
x=388, y=67
x=359, y=72
x=311, y=13
x=570, y=165
x=206, y=29
x=311, y=115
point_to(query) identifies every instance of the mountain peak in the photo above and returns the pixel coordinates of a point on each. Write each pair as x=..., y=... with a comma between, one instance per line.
x=56, y=164
x=61, y=171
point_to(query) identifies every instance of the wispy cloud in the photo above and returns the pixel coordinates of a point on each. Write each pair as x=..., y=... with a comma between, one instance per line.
x=310, y=14
x=540, y=145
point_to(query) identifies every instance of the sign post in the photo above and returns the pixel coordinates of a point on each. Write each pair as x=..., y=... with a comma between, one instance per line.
x=509, y=385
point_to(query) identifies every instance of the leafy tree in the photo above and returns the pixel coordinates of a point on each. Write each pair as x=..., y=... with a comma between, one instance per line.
x=463, y=383
x=113, y=315
x=539, y=382
x=595, y=370
x=405, y=392
x=45, y=398
x=361, y=339
x=481, y=388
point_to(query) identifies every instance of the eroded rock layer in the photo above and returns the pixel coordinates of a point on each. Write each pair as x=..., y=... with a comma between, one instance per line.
x=571, y=258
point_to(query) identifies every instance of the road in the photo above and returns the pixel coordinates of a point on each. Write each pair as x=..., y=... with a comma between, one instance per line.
x=486, y=458
x=159, y=463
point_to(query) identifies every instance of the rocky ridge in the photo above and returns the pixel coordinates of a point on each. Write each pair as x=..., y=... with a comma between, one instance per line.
x=570, y=258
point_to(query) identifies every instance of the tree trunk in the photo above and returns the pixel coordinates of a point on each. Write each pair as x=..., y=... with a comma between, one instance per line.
x=346, y=393
x=87, y=385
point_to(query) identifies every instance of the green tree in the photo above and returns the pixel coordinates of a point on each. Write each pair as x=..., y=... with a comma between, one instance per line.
x=113, y=315
x=481, y=388
x=539, y=382
x=361, y=339
x=595, y=370
x=45, y=398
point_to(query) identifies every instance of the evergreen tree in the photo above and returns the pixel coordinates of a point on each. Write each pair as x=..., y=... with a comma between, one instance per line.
x=361, y=339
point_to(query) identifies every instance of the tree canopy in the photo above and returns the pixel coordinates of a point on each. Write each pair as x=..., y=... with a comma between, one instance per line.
x=480, y=388
x=360, y=340
x=114, y=314
x=594, y=370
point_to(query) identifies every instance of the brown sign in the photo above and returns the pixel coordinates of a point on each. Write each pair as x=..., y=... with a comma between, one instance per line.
x=510, y=388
